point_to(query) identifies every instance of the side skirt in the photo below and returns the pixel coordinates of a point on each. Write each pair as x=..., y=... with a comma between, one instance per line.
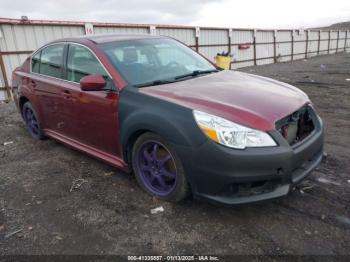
x=106, y=157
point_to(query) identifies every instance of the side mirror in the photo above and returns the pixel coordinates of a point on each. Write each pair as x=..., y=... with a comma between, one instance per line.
x=92, y=83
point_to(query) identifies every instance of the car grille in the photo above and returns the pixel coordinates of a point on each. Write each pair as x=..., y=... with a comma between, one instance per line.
x=298, y=125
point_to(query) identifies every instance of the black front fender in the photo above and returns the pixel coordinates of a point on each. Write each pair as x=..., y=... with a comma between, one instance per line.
x=141, y=112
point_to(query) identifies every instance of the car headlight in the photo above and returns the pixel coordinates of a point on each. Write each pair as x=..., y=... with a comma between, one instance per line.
x=231, y=134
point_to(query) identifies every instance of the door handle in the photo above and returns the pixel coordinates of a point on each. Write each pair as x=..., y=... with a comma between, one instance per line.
x=66, y=94
x=32, y=83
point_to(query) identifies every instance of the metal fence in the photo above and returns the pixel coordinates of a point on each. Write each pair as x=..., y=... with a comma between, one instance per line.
x=19, y=38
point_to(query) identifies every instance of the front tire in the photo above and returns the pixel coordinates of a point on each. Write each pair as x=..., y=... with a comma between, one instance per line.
x=32, y=121
x=158, y=169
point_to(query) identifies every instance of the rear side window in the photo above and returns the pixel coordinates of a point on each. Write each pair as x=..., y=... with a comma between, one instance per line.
x=36, y=62
x=51, y=61
x=81, y=62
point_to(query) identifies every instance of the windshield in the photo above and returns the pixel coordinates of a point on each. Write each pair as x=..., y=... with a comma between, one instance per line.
x=146, y=62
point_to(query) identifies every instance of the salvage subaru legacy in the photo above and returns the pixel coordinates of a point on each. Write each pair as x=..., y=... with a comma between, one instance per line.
x=151, y=105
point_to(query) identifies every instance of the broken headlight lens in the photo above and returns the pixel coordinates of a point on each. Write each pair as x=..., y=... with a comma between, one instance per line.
x=231, y=134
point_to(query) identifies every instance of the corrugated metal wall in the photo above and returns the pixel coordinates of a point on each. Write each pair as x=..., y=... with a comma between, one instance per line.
x=264, y=47
x=284, y=46
x=19, y=38
x=313, y=43
x=213, y=41
x=187, y=36
x=242, y=55
x=248, y=47
x=120, y=30
x=300, y=43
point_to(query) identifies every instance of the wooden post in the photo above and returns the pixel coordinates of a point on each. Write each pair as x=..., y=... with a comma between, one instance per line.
x=292, y=57
x=4, y=76
x=229, y=32
x=197, y=31
x=329, y=39
x=254, y=43
x=319, y=42
x=336, y=50
x=346, y=38
x=307, y=43
x=274, y=47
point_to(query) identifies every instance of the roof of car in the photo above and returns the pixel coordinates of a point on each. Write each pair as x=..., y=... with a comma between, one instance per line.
x=105, y=38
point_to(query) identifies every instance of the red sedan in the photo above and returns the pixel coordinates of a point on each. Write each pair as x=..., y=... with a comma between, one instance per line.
x=151, y=105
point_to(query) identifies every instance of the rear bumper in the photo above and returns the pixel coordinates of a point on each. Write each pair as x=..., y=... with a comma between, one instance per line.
x=228, y=176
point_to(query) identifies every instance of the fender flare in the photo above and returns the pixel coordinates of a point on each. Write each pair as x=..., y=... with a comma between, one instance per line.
x=140, y=113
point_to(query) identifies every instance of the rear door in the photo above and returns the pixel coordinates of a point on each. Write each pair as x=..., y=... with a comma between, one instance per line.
x=45, y=81
x=90, y=117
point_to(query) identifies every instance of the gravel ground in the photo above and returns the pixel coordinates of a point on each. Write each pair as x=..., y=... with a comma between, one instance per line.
x=109, y=214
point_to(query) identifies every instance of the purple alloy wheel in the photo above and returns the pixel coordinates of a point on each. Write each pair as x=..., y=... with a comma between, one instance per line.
x=157, y=168
x=31, y=121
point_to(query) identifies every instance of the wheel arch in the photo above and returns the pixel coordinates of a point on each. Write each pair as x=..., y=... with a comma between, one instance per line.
x=130, y=141
x=22, y=101
x=140, y=113
x=139, y=123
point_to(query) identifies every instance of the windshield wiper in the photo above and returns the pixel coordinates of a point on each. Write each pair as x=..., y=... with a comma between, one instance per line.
x=197, y=72
x=175, y=79
x=155, y=82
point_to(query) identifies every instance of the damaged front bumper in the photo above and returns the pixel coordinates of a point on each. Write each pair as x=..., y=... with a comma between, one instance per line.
x=224, y=175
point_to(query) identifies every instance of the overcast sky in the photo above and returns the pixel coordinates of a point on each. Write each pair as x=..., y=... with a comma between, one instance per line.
x=221, y=13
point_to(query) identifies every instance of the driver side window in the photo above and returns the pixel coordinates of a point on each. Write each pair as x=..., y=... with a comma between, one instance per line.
x=81, y=62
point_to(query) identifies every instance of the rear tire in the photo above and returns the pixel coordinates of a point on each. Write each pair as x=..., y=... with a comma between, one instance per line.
x=32, y=121
x=158, y=169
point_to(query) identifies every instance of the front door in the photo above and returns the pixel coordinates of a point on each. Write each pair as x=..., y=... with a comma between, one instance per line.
x=90, y=117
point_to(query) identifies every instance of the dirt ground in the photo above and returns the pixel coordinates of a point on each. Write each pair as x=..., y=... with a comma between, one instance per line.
x=109, y=214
